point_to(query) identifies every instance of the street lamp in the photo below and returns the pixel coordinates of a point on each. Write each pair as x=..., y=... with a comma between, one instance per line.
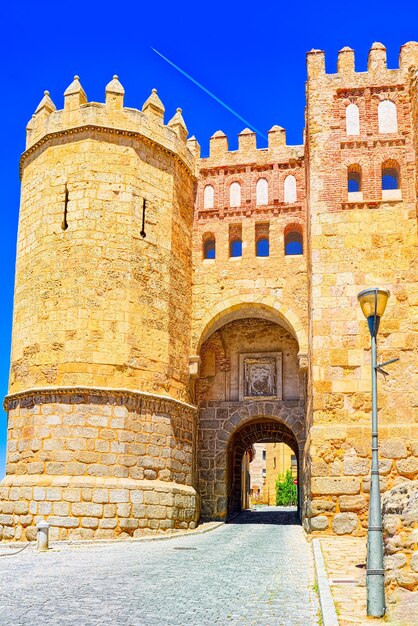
x=373, y=304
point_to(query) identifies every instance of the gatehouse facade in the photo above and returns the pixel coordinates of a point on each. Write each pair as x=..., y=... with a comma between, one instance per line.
x=171, y=310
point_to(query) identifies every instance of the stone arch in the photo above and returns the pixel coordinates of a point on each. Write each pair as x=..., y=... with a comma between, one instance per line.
x=219, y=424
x=259, y=429
x=237, y=307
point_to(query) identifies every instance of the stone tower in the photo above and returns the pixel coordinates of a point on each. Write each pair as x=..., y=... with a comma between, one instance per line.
x=100, y=435
x=361, y=138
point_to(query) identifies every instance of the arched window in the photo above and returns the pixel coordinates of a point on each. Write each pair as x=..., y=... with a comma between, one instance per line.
x=208, y=195
x=235, y=248
x=386, y=112
x=293, y=243
x=262, y=247
x=390, y=176
x=290, y=189
x=262, y=192
x=235, y=194
x=352, y=120
x=354, y=179
x=209, y=246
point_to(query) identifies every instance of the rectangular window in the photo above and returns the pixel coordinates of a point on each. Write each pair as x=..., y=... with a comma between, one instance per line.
x=262, y=243
x=235, y=240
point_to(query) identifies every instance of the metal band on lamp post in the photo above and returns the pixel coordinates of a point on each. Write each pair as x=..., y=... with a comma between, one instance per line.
x=373, y=304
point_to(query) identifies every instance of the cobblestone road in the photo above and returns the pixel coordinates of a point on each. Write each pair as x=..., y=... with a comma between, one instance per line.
x=253, y=571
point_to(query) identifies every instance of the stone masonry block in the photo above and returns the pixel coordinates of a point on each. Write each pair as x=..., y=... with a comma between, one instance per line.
x=322, y=506
x=119, y=495
x=319, y=523
x=344, y=523
x=65, y=522
x=335, y=485
x=87, y=509
x=123, y=509
x=393, y=449
x=90, y=522
x=156, y=512
x=352, y=503
x=109, y=522
x=408, y=467
x=101, y=496
x=355, y=466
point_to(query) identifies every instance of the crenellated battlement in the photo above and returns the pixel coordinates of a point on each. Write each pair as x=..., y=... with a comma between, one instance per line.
x=278, y=150
x=376, y=65
x=111, y=116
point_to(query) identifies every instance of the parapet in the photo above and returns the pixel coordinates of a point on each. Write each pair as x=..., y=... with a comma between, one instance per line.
x=219, y=153
x=111, y=117
x=376, y=64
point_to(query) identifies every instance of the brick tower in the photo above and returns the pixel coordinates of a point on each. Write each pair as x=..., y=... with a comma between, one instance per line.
x=100, y=434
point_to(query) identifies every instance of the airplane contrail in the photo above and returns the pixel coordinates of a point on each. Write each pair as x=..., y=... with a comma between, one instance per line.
x=212, y=95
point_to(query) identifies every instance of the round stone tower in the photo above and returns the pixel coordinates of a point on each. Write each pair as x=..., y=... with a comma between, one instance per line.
x=100, y=433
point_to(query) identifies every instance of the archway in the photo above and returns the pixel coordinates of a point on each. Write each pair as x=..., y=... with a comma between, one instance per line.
x=250, y=374
x=268, y=308
x=255, y=431
x=219, y=423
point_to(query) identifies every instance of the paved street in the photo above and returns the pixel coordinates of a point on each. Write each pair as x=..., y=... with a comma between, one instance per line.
x=251, y=571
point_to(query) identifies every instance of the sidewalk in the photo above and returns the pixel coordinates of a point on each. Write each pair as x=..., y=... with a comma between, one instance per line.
x=342, y=555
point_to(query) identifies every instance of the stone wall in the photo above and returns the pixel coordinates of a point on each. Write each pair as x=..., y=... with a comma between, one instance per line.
x=400, y=526
x=340, y=483
x=110, y=462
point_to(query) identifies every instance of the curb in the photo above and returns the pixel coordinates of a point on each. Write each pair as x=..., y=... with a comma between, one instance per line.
x=185, y=533
x=326, y=602
x=55, y=545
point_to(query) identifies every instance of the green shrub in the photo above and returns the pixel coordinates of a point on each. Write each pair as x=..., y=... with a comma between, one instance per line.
x=286, y=490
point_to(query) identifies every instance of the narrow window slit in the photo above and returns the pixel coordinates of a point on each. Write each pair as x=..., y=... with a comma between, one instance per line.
x=143, y=233
x=64, y=224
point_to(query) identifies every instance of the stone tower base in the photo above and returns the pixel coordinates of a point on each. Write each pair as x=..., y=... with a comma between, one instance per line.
x=82, y=507
x=97, y=463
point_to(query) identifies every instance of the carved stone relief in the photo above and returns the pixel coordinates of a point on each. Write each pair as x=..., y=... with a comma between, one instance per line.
x=260, y=376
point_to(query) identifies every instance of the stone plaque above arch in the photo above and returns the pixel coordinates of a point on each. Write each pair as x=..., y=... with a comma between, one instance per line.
x=260, y=376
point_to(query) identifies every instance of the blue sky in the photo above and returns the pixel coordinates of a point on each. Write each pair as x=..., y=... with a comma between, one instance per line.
x=251, y=55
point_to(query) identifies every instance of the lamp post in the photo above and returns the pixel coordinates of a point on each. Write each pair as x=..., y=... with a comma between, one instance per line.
x=373, y=304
